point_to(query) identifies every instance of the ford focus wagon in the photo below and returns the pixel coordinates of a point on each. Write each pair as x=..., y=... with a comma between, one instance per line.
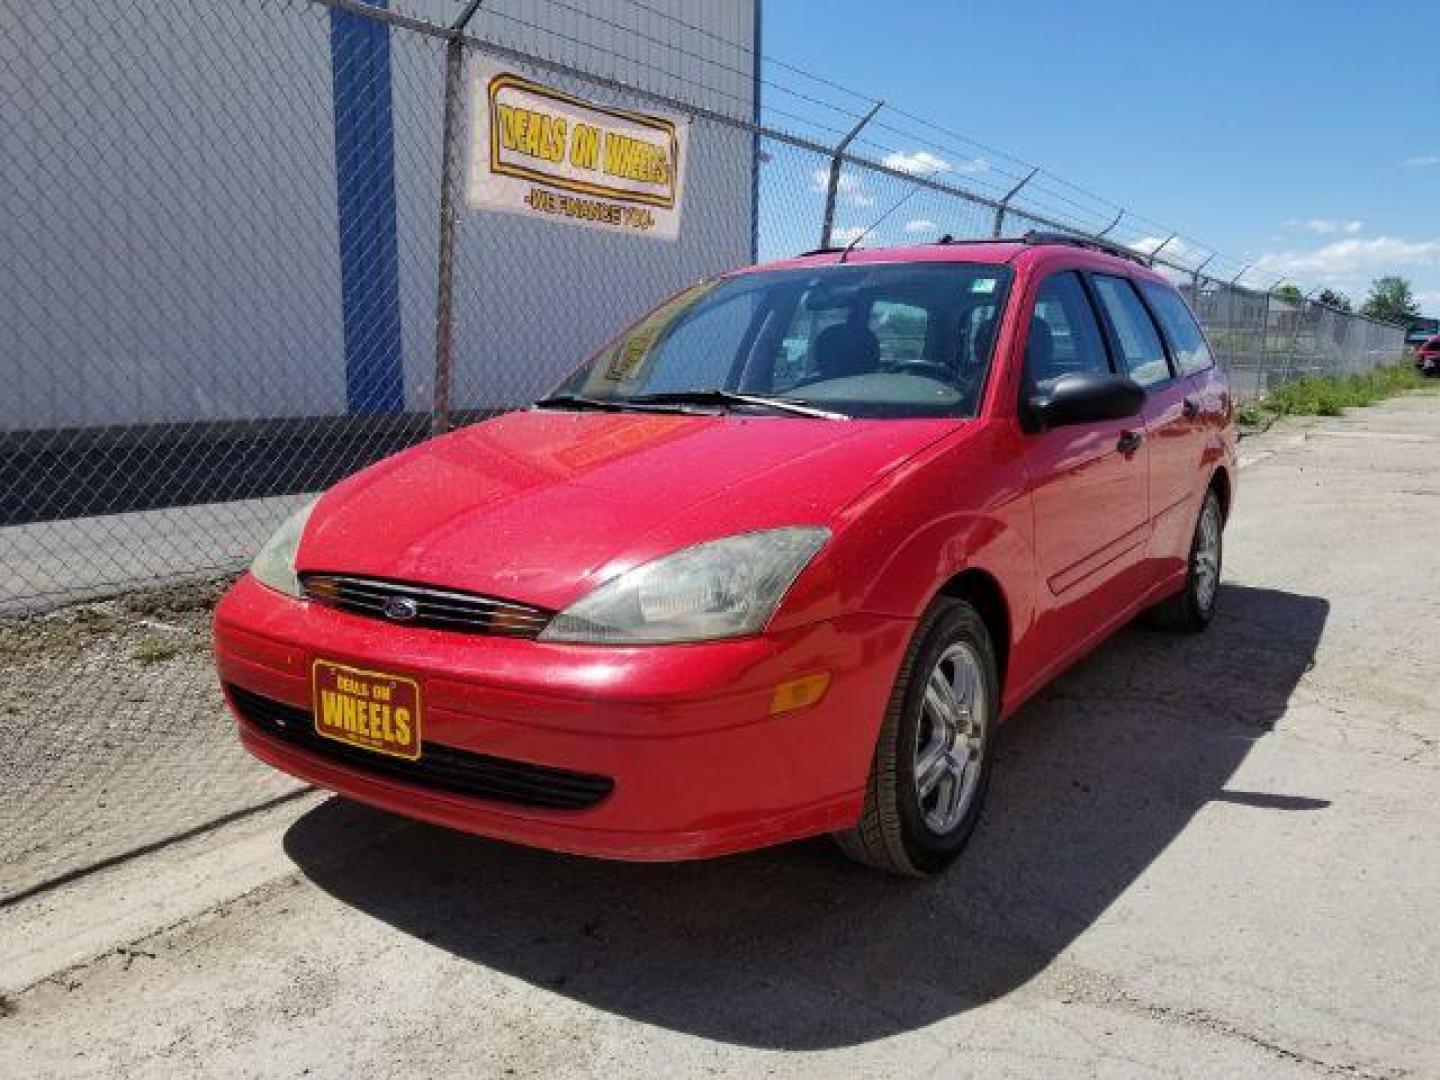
x=775, y=562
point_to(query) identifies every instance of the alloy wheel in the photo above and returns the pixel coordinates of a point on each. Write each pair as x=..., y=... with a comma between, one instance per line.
x=1207, y=556
x=950, y=739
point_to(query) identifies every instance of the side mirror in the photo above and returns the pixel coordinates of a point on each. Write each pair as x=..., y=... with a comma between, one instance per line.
x=1086, y=398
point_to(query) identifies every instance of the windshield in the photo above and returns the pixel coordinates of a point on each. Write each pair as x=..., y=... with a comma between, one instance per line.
x=871, y=340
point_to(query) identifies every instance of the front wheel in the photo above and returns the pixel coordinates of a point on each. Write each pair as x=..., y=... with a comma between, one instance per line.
x=931, y=766
x=1191, y=609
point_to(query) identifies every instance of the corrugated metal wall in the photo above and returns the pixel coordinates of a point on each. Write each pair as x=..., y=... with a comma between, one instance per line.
x=173, y=233
x=169, y=224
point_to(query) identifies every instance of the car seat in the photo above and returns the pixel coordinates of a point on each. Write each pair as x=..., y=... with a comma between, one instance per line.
x=843, y=350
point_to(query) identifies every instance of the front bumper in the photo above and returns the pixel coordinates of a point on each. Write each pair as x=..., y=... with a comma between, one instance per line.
x=699, y=765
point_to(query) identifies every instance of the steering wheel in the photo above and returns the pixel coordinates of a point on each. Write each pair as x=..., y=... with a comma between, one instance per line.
x=925, y=367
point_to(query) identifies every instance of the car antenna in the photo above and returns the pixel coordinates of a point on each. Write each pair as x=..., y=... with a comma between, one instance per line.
x=876, y=223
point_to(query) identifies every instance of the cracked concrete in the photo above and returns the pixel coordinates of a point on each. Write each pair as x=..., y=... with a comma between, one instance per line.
x=1207, y=857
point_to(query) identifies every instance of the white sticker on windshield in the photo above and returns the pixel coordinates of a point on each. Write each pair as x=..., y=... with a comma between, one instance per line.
x=983, y=285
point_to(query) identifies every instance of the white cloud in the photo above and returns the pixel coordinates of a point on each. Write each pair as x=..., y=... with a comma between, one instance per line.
x=921, y=162
x=1429, y=301
x=849, y=190
x=924, y=163
x=1350, y=260
x=1324, y=227
x=846, y=234
x=1176, y=250
x=920, y=225
x=1421, y=161
x=1148, y=244
x=1254, y=279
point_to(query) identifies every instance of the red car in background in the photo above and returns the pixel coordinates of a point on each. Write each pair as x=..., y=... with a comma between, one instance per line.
x=1427, y=356
x=775, y=562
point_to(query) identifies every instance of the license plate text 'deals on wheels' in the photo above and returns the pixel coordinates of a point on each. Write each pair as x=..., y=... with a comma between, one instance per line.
x=369, y=709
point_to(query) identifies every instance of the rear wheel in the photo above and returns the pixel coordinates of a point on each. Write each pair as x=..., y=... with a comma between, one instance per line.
x=932, y=760
x=1191, y=609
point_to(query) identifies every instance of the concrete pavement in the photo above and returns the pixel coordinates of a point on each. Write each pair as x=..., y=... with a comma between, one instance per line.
x=1216, y=856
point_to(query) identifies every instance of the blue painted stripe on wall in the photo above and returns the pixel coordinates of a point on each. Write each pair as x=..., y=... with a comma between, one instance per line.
x=756, y=149
x=365, y=185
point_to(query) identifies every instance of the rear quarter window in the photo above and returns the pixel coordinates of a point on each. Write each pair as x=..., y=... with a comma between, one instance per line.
x=1187, y=341
x=1140, y=345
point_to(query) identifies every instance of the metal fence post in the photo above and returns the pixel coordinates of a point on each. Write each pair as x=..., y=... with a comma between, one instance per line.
x=1306, y=304
x=449, y=182
x=1195, y=287
x=1108, y=228
x=1155, y=254
x=1005, y=204
x=834, y=183
x=1294, y=358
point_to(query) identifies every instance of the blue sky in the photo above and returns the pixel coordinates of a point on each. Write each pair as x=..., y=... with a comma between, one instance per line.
x=1301, y=137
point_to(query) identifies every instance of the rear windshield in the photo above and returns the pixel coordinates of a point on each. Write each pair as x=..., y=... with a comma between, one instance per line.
x=892, y=340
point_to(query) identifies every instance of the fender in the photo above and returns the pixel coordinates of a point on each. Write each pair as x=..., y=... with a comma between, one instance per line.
x=892, y=554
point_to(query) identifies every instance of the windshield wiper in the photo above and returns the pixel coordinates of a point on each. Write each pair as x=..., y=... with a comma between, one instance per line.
x=580, y=401
x=729, y=398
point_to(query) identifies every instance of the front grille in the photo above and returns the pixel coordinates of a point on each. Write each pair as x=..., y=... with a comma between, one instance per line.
x=439, y=768
x=422, y=605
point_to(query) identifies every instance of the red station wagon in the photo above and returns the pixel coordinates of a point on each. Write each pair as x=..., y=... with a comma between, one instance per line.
x=775, y=562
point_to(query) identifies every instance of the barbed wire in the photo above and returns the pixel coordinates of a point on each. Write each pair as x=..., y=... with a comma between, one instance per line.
x=1045, y=194
x=979, y=171
x=970, y=147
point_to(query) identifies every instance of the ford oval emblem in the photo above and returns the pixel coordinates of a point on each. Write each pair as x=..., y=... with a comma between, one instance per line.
x=400, y=609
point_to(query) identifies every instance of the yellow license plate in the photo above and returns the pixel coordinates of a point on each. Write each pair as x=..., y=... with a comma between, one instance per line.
x=370, y=709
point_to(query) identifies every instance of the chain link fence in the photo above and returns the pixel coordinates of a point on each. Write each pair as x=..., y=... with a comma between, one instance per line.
x=236, y=271
x=225, y=252
x=1265, y=340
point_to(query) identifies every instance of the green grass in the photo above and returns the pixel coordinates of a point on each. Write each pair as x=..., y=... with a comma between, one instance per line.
x=1331, y=395
x=155, y=650
x=1250, y=414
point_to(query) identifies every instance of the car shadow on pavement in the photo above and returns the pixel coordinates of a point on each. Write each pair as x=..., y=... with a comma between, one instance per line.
x=796, y=948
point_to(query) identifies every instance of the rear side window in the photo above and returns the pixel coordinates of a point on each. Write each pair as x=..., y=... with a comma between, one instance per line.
x=1187, y=343
x=1140, y=346
x=1064, y=338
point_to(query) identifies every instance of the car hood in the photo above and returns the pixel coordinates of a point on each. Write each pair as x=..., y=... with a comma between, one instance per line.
x=541, y=506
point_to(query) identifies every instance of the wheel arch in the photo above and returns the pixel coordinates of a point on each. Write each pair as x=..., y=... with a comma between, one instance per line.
x=1220, y=483
x=982, y=590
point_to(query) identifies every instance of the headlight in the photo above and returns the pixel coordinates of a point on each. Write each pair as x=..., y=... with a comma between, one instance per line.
x=275, y=565
x=719, y=589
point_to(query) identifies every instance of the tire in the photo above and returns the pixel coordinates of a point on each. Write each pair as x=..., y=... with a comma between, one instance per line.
x=902, y=831
x=1191, y=609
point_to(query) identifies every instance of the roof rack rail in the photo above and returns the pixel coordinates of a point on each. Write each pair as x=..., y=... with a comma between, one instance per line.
x=1091, y=243
x=1034, y=237
x=955, y=241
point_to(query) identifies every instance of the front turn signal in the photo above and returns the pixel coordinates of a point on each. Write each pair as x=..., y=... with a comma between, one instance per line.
x=798, y=693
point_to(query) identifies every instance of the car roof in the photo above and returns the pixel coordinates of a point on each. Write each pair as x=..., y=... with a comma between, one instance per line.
x=1031, y=251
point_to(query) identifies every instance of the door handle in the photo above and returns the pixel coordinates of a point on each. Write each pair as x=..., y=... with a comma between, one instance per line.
x=1129, y=442
x=1191, y=408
